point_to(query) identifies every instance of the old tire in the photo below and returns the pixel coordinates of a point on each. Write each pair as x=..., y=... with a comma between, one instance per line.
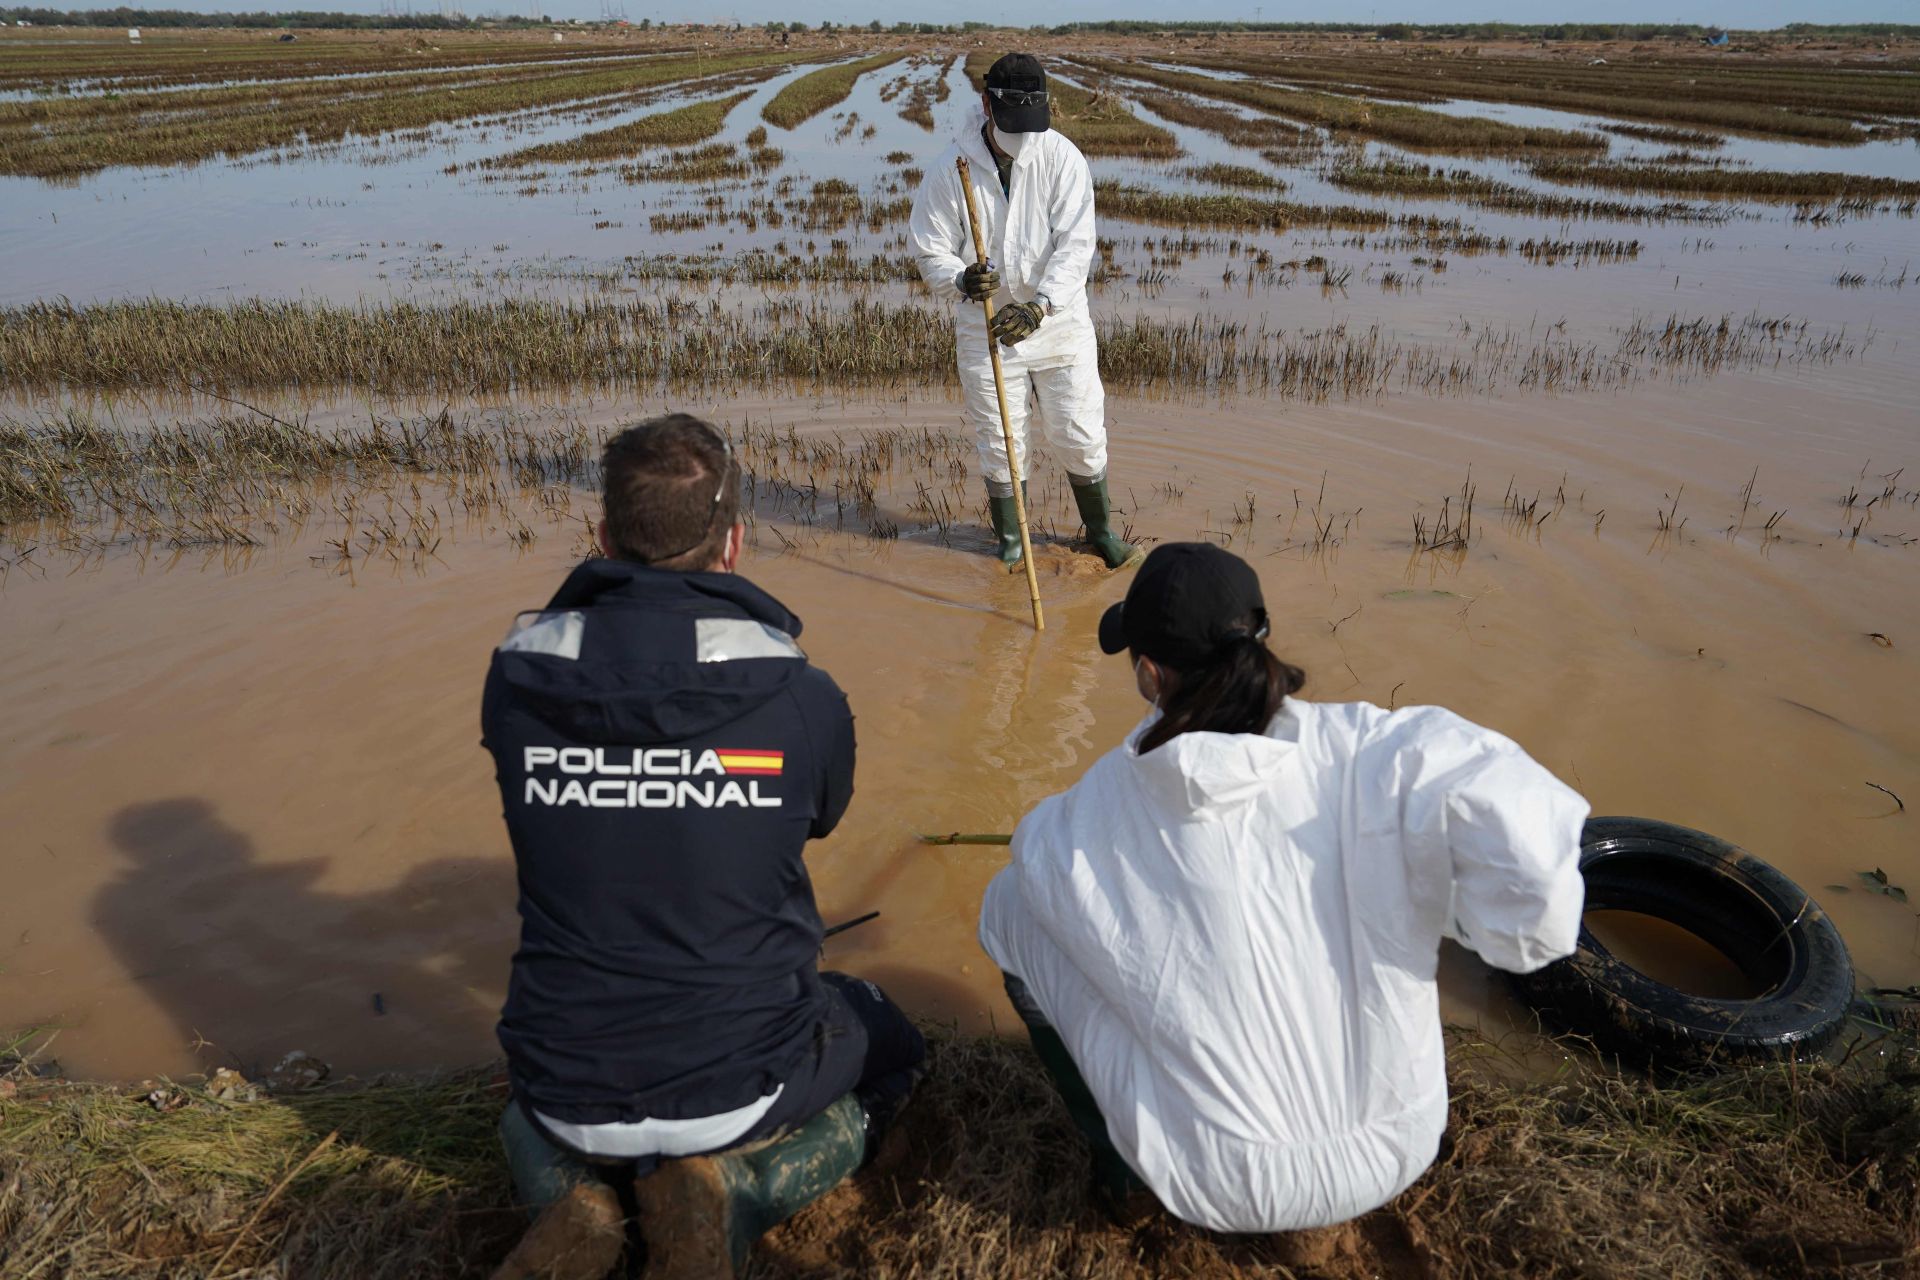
x=1763, y=922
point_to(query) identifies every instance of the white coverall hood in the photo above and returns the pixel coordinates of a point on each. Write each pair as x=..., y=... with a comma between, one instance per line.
x=1237, y=935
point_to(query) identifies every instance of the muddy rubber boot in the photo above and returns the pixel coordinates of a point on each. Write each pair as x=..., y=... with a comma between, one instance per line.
x=700, y=1216
x=578, y=1237
x=686, y=1218
x=1096, y=512
x=1006, y=527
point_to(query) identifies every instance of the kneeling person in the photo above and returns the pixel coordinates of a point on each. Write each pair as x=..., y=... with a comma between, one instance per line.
x=664, y=753
x=1224, y=937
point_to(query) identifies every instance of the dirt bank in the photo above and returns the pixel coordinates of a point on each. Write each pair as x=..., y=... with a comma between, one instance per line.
x=1780, y=1172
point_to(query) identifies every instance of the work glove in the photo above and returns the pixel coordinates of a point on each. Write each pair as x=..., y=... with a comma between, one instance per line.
x=979, y=281
x=1015, y=321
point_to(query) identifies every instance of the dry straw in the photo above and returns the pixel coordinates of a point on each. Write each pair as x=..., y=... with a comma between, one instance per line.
x=1570, y=1172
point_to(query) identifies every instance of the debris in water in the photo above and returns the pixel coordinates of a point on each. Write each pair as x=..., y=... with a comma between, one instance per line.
x=1896, y=799
x=298, y=1070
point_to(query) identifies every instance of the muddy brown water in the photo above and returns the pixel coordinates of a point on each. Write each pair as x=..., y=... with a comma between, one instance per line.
x=246, y=811
x=243, y=808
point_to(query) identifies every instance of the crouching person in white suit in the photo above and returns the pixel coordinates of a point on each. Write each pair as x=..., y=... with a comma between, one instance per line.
x=1224, y=937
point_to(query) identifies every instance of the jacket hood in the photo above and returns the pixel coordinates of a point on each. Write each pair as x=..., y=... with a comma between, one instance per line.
x=1209, y=774
x=636, y=661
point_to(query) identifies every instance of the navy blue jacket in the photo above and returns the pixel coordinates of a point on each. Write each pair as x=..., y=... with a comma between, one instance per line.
x=664, y=752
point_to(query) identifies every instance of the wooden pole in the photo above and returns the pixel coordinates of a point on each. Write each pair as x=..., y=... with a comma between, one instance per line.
x=1000, y=390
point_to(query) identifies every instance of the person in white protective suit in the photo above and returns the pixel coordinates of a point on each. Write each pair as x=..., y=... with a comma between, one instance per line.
x=1035, y=196
x=1224, y=937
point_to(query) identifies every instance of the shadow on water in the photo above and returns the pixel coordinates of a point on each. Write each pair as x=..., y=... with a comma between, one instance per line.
x=251, y=957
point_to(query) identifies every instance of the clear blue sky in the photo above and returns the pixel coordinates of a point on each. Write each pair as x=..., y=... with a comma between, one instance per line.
x=1732, y=13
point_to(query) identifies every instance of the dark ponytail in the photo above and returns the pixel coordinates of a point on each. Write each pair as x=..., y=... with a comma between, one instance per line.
x=1238, y=691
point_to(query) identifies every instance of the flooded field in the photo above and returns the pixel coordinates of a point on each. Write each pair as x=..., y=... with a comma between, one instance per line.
x=1600, y=428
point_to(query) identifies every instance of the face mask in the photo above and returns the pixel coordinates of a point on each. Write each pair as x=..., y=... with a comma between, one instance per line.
x=1013, y=143
x=1150, y=690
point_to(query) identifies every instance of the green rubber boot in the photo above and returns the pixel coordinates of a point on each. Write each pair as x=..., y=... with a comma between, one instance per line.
x=701, y=1215
x=1006, y=527
x=1096, y=512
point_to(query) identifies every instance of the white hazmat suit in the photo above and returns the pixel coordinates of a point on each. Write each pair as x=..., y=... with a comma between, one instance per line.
x=1236, y=936
x=1041, y=238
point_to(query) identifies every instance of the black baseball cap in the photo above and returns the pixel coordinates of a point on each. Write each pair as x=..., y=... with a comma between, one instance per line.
x=1017, y=88
x=1187, y=599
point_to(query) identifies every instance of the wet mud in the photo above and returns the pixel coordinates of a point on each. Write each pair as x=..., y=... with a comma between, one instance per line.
x=247, y=810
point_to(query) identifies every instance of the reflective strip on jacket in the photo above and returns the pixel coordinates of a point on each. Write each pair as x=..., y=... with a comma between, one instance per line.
x=1237, y=937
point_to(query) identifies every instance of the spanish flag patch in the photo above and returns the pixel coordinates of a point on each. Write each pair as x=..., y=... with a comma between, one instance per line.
x=759, y=762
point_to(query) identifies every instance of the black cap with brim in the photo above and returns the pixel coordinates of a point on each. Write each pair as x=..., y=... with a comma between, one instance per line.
x=1187, y=600
x=1021, y=72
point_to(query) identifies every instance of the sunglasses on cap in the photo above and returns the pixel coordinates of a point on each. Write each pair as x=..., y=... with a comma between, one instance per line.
x=1019, y=97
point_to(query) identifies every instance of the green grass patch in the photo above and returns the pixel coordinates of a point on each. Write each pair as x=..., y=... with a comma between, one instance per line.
x=1235, y=175
x=680, y=127
x=814, y=92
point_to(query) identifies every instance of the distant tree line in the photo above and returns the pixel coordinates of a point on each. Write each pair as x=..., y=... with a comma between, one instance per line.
x=1906, y=30
x=1483, y=30
x=161, y=18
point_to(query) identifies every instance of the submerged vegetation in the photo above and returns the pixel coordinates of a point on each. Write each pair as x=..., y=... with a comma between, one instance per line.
x=926, y=93
x=1235, y=175
x=517, y=345
x=1800, y=102
x=1669, y=136
x=1387, y=122
x=1411, y=180
x=1726, y=182
x=715, y=162
x=1259, y=132
x=1813, y=1171
x=680, y=127
x=814, y=92
x=73, y=136
x=1218, y=209
x=1101, y=125
x=112, y=60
